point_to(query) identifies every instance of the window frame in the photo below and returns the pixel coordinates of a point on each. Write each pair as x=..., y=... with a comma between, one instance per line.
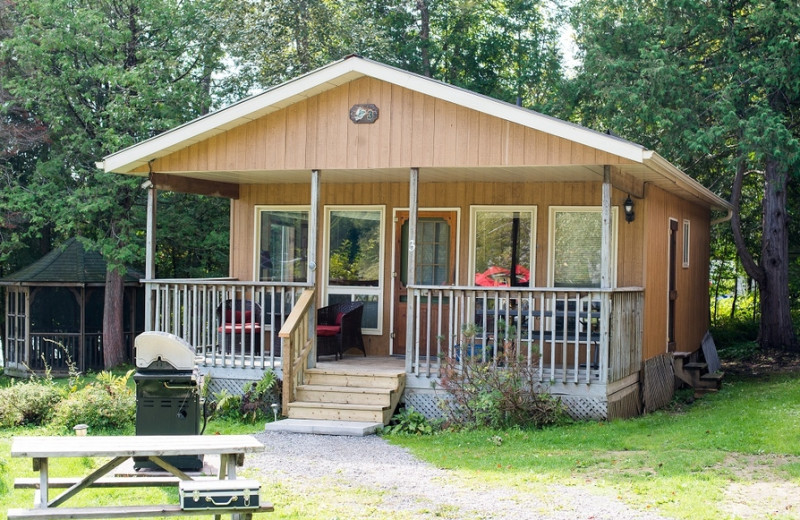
x=354, y=291
x=473, y=219
x=551, y=252
x=259, y=208
x=687, y=242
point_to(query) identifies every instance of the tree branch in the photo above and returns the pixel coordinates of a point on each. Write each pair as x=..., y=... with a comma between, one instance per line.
x=750, y=266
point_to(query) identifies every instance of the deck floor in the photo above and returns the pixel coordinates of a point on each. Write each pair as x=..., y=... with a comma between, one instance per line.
x=357, y=363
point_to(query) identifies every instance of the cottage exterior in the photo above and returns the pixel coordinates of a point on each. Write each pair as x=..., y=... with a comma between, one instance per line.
x=331, y=173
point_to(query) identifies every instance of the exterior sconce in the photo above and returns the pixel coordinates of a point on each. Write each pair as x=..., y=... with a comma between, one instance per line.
x=628, y=206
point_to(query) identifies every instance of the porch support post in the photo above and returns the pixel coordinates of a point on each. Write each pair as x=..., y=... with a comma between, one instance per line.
x=413, y=183
x=605, y=247
x=605, y=275
x=150, y=255
x=311, y=276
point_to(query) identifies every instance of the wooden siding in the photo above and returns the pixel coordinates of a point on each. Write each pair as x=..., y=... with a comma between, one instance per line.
x=691, y=307
x=412, y=130
x=435, y=195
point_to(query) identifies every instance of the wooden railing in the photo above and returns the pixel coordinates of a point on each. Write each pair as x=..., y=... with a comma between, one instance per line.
x=571, y=336
x=232, y=324
x=297, y=335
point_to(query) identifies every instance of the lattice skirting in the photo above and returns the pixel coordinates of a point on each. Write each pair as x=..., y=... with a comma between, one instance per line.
x=427, y=403
x=424, y=402
x=582, y=408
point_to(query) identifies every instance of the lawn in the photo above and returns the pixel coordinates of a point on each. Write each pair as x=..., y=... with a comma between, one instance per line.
x=696, y=460
x=680, y=461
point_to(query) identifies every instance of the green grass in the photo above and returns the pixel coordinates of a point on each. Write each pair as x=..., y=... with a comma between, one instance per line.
x=663, y=461
x=678, y=462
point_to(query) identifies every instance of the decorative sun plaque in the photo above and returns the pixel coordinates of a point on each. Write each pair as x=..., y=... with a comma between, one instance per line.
x=364, y=114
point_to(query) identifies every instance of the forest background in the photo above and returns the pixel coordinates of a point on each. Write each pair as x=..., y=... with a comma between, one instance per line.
x=712, y=86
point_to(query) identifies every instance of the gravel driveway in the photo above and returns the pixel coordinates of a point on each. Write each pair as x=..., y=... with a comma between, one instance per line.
x=366, y=477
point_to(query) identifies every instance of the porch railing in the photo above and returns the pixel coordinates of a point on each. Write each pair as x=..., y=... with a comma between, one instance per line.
x=231, y=323
x=298, y=339
x=569, y=336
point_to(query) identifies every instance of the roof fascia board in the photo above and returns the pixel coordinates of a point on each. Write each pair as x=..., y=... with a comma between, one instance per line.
x=339, y=73
x=657, y=163
x=248, y=109
x=502, y=110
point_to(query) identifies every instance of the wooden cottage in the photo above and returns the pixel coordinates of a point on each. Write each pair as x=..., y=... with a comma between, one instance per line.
x=442, y=211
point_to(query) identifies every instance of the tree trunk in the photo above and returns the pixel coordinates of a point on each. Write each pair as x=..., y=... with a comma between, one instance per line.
x=424, y=36
x=113, y=341
x=776, y=331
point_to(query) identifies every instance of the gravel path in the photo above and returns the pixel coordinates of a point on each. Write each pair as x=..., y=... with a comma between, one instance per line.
x=366, y=477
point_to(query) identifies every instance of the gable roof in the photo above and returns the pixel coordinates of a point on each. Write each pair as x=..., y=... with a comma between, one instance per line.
x=70, y=264
x=649, y=166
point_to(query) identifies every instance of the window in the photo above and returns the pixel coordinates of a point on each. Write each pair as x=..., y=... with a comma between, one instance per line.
x=435, y=250
x=575, y=246
x=686, y=242
x=502, y=239
x=354, y=269
x=282, y=244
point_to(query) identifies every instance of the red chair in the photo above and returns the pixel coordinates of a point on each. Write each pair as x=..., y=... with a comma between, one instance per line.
x=238, y=321
x=339, y=329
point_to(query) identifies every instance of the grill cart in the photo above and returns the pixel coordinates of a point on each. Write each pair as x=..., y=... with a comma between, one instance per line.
x=168, y=398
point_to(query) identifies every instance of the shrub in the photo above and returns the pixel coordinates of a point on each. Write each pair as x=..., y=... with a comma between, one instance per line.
x=498, y=394
x=225, y=405
x=105, y=404
x=256, y=403
x=410, y=421
x=29, y=402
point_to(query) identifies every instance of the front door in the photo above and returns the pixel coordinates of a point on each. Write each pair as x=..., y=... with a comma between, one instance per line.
x=435, y=265
x=673, y=291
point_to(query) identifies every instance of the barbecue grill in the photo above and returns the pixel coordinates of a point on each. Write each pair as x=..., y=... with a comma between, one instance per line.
x=168, y=399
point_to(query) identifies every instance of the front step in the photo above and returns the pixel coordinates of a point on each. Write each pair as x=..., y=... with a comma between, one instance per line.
x=341, y=395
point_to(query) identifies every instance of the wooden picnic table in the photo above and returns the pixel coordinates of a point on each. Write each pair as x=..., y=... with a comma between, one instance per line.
x=230, y=448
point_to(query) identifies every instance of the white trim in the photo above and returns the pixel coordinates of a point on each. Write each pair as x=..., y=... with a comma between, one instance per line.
x=551, y=238
x=327, y=290
x=396, y=267
x=473, y=211
x=339, y=73
x=257, y=209
x=687, y=242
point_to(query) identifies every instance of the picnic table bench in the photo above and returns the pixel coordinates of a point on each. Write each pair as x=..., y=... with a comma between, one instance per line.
x=230, y=448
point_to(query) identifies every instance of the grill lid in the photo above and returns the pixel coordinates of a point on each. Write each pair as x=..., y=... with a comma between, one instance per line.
x=156, y=348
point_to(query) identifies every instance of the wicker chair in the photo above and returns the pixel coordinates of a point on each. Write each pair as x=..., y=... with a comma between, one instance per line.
x=339, y=329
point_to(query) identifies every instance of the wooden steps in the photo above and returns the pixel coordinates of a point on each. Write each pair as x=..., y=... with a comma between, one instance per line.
x=694, y=373
x=348, y=395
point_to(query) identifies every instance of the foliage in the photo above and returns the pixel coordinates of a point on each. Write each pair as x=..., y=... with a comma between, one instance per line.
x=497, y=393
x=410, y=421
x=711, y=87
x=107, y=403
x=226, y=405
x=259, y=396
x=29, y=402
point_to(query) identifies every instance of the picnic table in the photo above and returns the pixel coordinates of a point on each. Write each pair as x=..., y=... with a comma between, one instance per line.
x=230, y=448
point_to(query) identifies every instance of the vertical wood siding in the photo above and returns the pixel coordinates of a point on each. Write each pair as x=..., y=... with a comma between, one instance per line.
x=412, y=129
x=691, y=307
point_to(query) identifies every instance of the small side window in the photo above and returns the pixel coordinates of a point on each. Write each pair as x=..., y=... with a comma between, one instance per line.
x=686, y=242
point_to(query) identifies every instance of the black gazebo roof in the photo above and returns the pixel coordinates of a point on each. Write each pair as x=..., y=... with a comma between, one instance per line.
x=68, y=264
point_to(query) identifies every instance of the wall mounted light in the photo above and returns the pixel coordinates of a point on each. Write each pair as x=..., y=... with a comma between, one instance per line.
x=628, y=206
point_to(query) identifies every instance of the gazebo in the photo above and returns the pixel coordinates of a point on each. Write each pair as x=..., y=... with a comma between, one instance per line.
x=54, y=312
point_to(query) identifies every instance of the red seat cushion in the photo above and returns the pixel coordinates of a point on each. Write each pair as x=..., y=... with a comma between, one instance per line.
x=240, y=328
x=328, y=330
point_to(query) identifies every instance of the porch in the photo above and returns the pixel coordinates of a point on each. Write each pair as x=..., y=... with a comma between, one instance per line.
x=585, y=344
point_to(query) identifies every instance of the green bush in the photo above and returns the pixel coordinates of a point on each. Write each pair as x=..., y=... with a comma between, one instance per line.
x=28, y=403
x=106, y=404
x=498, y=394
x=410, y=421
